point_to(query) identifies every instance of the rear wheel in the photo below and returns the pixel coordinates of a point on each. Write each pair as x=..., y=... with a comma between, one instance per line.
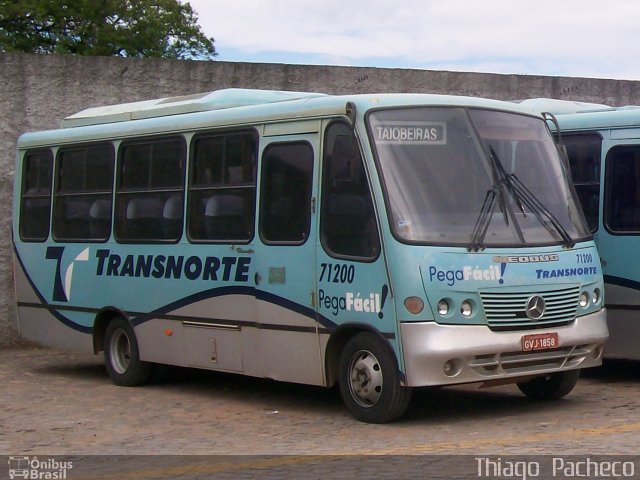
x=370, y=381
x=550, y=387
x=122, y=357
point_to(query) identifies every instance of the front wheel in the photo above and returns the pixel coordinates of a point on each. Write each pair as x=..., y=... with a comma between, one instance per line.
x=122, y=357
x=370, y=381
x=550, y=387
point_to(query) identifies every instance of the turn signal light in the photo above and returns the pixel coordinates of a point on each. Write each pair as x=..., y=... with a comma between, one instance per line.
x=414, y=305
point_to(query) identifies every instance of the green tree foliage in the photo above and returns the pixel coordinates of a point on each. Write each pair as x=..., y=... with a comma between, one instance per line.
x=126, y=28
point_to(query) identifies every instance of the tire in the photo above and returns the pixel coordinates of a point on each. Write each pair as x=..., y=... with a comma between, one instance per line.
x=122, y=357
x=370, y=381
x=553, y=386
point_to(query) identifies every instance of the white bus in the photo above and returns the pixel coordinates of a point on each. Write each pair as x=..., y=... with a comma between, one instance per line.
x=378, y=242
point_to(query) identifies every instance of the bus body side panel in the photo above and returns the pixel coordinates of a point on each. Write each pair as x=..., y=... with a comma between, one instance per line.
x=188, y=337
x=283, y=349
x=211, y=321
x=618, y=252
x=40, y=324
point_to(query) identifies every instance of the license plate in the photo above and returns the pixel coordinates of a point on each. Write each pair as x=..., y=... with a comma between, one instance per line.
x=540, y=341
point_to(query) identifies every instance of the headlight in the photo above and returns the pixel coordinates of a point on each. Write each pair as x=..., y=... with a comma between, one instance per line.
x=466, y=308
x=584, y=299
x=443, y=307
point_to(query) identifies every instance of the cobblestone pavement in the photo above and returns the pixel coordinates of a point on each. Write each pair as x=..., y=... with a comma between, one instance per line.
x=60, y=403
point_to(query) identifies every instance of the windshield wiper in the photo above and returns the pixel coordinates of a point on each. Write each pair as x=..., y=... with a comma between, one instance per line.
x=484, y=217
x=483, y=221
x=525, y=198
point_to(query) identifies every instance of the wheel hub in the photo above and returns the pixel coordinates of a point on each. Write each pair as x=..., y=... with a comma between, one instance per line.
x=120, y=352
x=365, y=379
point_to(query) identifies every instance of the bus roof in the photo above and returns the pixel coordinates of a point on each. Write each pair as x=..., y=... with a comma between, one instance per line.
x=199, y=102
x=233, y=108
x=560, y=107
x=586, y=116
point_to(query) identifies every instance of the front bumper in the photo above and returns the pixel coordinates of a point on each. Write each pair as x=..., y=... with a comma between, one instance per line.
x=470, y=353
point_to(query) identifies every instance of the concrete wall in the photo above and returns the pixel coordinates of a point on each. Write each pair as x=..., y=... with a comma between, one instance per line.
x=38, y=91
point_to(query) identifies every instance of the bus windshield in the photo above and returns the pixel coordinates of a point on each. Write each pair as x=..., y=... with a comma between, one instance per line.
x=472, y=177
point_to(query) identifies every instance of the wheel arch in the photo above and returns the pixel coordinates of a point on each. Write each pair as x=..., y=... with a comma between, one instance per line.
x=100, y=324
x=339, y=339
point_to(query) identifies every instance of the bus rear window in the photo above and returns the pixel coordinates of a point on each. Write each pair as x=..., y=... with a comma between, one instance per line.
x=35, y=204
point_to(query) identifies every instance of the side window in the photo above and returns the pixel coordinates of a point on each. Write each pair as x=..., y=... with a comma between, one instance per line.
x=35, y=199
x=348, y=225
x=584, y=159
x=149, y=200
x=287, y=175
x=622, y=189
x=222, y=188
x=83, y=193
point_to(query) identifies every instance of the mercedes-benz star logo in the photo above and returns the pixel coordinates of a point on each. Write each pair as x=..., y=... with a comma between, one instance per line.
x=535, y=307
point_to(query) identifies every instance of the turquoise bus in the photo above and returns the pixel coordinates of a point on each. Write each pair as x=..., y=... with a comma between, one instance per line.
x=375, y=242
x=603, y=147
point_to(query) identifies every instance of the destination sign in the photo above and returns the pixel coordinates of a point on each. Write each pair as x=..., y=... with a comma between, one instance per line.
x=411, y=133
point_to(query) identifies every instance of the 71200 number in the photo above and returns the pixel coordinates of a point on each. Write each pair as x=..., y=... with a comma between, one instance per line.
x=337, y=273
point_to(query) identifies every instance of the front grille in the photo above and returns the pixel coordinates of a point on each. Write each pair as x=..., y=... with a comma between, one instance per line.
x=522, y=363
x=507, y=310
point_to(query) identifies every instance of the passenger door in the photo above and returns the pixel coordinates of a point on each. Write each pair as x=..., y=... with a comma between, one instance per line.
x=285, y=256
x=353, y=284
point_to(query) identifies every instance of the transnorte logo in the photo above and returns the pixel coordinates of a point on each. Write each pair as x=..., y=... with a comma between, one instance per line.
x=62, y=289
